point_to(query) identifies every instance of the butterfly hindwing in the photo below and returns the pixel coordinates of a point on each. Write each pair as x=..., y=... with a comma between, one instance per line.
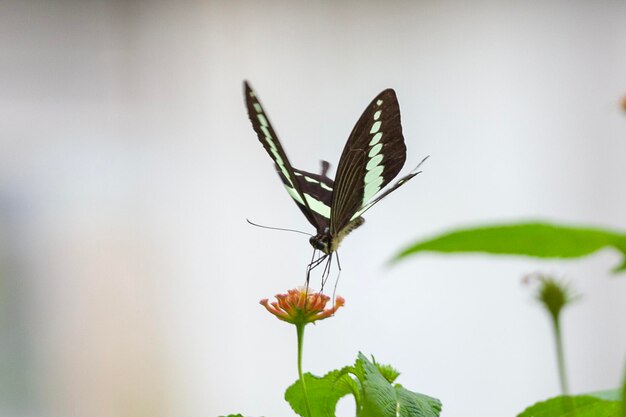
x=312, y=198
x=373, y=156
x=320, y=189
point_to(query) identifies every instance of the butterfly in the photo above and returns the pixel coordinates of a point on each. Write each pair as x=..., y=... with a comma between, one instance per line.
x=372, y=157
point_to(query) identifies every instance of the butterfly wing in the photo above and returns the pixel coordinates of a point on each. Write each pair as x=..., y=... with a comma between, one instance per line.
x=373, y=156
x=318, y=190
x=303, y=192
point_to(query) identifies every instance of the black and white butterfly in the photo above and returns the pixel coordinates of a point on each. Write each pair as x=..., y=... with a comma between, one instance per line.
x=372, y=157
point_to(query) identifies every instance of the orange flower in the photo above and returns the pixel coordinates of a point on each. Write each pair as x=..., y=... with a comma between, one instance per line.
x=300, y=306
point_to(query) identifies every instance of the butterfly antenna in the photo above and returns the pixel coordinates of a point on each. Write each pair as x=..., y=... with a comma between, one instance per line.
x=415, y=170
x=277, y=228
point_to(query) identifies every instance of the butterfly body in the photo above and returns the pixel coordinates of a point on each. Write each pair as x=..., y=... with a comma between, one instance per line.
x=372, y=157
x=328, y=243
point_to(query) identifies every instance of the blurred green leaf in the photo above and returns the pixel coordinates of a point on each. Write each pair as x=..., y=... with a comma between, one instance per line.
x=541, y=240
x=577, y=406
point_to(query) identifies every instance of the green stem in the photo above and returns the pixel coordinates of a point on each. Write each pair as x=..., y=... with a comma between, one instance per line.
x=300, y=330
x=559, y=354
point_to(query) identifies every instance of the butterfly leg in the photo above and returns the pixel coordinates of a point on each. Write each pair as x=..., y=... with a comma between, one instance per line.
x=314, y=264
x=308, y=270
x=326, y=271
x=338, y=275
x=338, y=263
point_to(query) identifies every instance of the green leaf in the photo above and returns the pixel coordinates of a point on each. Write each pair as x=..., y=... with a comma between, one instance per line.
x=374, y=395
x=414, y=404
x=390, y=373
x=578, y=406
x=541, y=240
x=380, y=398
x=324, y=393
x=350, y=384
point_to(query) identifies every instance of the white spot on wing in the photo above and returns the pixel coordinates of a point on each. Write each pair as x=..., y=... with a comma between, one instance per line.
x=375, y=150
x=317, y=206
x=377, y=137
x=372, y=188
x=374, y=177
x=294, y=194
x=268, y=136
x=277, y=159
x=262, y=119
x=373, y=162
x=373, y=174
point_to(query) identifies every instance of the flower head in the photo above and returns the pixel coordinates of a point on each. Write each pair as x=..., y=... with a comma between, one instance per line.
x=554, y=294
x=302, y=306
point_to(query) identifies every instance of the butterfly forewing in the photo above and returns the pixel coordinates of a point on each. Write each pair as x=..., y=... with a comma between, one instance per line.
x=312, y=198
x=373, y=156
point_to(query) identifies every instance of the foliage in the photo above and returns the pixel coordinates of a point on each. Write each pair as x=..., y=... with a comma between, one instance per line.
x=373, y=389
x=540, y=240
x=574, y=406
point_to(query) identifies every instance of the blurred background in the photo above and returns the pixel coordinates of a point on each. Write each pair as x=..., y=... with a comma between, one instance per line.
x=130, y=281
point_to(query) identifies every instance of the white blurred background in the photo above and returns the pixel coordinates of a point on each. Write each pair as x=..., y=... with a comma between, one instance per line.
x=129, y=279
